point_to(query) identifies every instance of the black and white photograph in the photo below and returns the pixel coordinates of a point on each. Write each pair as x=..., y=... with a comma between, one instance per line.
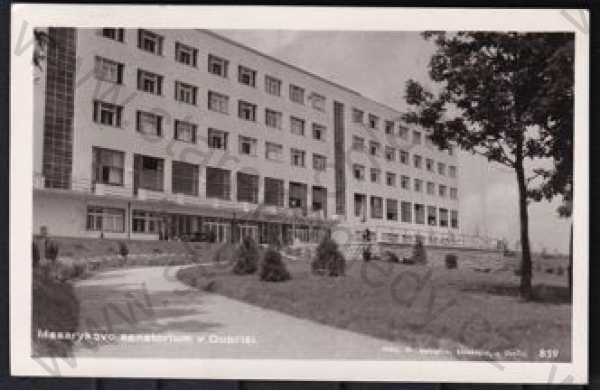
x=383, y=198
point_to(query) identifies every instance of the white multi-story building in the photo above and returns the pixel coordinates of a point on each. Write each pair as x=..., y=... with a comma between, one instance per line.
x=149, y=134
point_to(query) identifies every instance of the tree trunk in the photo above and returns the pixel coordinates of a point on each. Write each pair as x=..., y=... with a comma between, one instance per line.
x=525, y=288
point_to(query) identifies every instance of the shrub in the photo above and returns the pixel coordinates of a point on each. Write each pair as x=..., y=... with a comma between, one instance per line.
x=35, y=254
x=560, y=271
x=419, y=255
x=328, y=259
x=51, y=251
x=273, y=268
x=451, y=261
x=123, y=250
x=390, y=257
x=246, y=257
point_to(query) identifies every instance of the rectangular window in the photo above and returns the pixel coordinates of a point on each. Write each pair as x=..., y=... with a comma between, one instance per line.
x=108, y=70
x=319, y=162
x=146, y=222
x=217, y=139
x=297, y=126
x=108, y=166
x=375, y=175
x=404, y=157
x=390, y=153
x=105, y=219
x=429, y=164
x=443, y=217
x=149, y=123
x=405, y=182
x=148, y=173
x=185, y=131
x=246, y=76
x=406, y=212
x=454, y=219
x=273, y=118
x=185, y=93
x=416, y=138
x=272, y=86
x=116, y=34
x=430, y=188
x=218, y=102
x=318, y=132
x=376, y=207
x=185, y=54
x=390, y=179
x=298, y=157
x=248, y=146
x=417, y=160
x=273, y=151
x=418, y=186
x=247, y=110
x=419, y=214
x=107, y=114
x=453, y=193
x=274, y=192
x=150, y=42
x=374, y=148
x=149, y=82
x=184, y=178
x=358, y=116
x=358, y=144
x=298, y=195
x=296, y=94
x=358, y=171
x=218, y=183
x=431, y=216
x=452, y=171
x=402, y=132
x=360, y=206
x=391, y=209
x=217, y=65
x=317, y=101
x=247, y=187
x=389, y=127
x=442, y=169
x=373, y=121
x=442, y=191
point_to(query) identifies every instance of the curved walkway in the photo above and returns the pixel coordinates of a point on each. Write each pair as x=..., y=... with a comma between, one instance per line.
x=147, y=312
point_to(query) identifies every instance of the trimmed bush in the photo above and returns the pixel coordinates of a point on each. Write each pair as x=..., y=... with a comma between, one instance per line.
x=366, y=253
x=328, y=259
x=390, y=257
x=123, y=250
x=419, y=255
x=451, y=261
x=273, y=268
x=35, y=254
x=246, y=257
x=560, y=271
x=51, y=251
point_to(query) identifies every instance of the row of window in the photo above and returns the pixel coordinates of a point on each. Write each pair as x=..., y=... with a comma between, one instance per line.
x=375, y=175
x=416, y=213
x=108, y=167
x=391, y=154
x=188, y=55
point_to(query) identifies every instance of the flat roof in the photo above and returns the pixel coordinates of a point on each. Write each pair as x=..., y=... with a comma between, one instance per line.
x=296, y=68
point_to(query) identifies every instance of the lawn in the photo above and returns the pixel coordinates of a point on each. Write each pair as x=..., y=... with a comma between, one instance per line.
x=424, y=307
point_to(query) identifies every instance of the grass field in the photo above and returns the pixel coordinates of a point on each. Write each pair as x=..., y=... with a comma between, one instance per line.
x=426, y=307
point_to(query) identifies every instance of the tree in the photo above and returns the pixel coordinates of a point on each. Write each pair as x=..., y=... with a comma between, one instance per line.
x=493, y=100
x=41, y=41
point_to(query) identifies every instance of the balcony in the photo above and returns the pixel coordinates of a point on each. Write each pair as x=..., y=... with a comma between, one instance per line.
x=146, y=194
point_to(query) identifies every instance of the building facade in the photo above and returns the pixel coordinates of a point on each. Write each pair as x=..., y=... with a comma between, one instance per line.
x=157, y=134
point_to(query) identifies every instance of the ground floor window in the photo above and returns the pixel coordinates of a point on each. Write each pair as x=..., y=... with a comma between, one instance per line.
x=454, y=218
x=301, y=233
x=249, y=231
x=443, y=217
x=105, y=219
x=221, y=231
x=146, y=222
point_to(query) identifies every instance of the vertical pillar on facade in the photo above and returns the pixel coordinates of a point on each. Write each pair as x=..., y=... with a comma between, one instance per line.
x=168, y=176
x=233, y=181
x=202, y=182
x=261, y=190
x=129, y=172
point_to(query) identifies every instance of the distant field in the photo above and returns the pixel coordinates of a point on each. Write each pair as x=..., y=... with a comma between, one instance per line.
x=427, y=307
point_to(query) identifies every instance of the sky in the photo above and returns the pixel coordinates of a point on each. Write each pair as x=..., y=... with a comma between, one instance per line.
x=377, y=64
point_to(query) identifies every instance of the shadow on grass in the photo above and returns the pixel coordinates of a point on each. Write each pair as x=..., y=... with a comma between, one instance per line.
x=542, y=293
